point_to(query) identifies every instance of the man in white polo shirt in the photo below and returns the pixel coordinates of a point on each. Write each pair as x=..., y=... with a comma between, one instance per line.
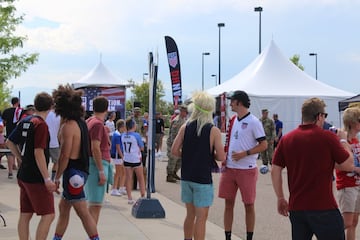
x=244, y=140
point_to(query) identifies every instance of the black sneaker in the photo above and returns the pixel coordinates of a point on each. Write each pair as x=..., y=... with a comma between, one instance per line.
x=2, y=166
x=176, y=176
x=171, y=179
x=10, y=176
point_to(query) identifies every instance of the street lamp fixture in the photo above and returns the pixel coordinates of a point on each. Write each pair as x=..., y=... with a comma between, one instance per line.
x=259, y=9
x=144, y=74
x=316, y=71
x=215, y=76
x=202, y=68
x=220, y=25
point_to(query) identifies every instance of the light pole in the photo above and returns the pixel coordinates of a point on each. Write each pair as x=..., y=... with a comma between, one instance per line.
x=259, y=9
x=144, y=74
x=202, y=68
x=215, y=76
x=316, y=71
x=220, y=25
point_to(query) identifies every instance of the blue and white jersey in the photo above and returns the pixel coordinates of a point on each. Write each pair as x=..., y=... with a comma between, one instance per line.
x=132, y=144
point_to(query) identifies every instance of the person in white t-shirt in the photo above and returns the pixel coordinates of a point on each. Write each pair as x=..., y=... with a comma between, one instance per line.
x=133, y=146
x=53, y=122
x=244, y=141
x=110, y=123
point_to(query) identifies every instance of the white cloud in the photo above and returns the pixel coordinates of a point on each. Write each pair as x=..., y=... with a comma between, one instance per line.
x=129, y=29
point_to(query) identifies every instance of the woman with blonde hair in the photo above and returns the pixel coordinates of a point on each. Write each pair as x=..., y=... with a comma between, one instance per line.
x=348, y=183
x=198, y=143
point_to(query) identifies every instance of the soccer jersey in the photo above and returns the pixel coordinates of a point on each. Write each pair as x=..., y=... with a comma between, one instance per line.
x=31, y=133
x=116, y=139
x=349, y=179
x=244, y=135
x=132, y=144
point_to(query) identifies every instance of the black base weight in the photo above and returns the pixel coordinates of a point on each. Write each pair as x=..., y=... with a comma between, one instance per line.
x=148, y=208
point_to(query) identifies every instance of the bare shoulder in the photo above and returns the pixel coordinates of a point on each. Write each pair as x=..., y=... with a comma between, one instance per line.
x=215, y=131
x=70, y=126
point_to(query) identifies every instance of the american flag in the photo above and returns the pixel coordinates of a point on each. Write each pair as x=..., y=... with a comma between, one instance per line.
x=115, y=95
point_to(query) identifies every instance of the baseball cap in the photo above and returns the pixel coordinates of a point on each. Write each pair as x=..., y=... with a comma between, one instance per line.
x=264, y=110
x=183, y=108
x=177, y=111
x=29, y=107
x=241, y=96
x=76, y=184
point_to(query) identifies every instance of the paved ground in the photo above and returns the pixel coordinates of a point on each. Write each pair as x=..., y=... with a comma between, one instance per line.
x=116, y=220
x=269, y=224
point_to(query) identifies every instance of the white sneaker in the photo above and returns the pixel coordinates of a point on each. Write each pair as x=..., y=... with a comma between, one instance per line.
x=122, y=191
x=115, y=192
x=131, y=201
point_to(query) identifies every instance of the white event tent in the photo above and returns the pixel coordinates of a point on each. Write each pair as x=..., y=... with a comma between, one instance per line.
x=99, y=76
x=100, y=81
x=272, y=81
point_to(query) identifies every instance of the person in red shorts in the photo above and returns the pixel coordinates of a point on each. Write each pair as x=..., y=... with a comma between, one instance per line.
x=309, y=153
x=244, y=141
x=36, y=187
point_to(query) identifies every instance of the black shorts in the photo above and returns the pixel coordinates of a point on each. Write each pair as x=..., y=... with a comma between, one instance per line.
x=132, y=165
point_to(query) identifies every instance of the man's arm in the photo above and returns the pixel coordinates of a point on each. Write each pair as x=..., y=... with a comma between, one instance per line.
x=14, y=148
x=277, y=182
x=97, y=156
x=41, y=163
x=348, y=164
x=262, y=146
x=279, y=134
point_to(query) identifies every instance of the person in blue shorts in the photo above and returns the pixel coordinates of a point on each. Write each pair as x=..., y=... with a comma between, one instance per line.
x=198, y=143
x=73, y=163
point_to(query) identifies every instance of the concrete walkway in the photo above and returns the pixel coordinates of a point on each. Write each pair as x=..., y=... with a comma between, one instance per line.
x=116, y=220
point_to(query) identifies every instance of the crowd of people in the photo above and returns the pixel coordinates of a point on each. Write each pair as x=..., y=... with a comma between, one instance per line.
x=85, y=151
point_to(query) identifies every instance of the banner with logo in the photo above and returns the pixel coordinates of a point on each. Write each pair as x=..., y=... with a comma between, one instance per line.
x=223, y=112
x=174, y=66
x=115, y=96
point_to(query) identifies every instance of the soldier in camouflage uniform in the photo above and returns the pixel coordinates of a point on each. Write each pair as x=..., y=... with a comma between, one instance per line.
x=269, y=128
x=174, y=163
x=139, y=121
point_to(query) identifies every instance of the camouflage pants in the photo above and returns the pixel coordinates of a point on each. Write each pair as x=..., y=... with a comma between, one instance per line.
x=266, y=156
x=174, y=163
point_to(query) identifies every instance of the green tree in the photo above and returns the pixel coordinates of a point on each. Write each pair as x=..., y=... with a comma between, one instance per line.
x=140, y=94
x=11, y=64
x=296, y=60
x=5, y=94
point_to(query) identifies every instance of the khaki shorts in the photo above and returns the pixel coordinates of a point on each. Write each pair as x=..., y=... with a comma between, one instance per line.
x=349, y=199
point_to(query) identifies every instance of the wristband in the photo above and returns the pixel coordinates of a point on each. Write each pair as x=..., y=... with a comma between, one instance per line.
x=343, y=140
x=248, y=152
x=47, y=180
x=101, y=172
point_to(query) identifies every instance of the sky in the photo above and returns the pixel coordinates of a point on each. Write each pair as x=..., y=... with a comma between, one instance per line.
x=70, y=37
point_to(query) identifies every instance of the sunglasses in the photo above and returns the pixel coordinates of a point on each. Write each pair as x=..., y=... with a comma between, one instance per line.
x=324, y=114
